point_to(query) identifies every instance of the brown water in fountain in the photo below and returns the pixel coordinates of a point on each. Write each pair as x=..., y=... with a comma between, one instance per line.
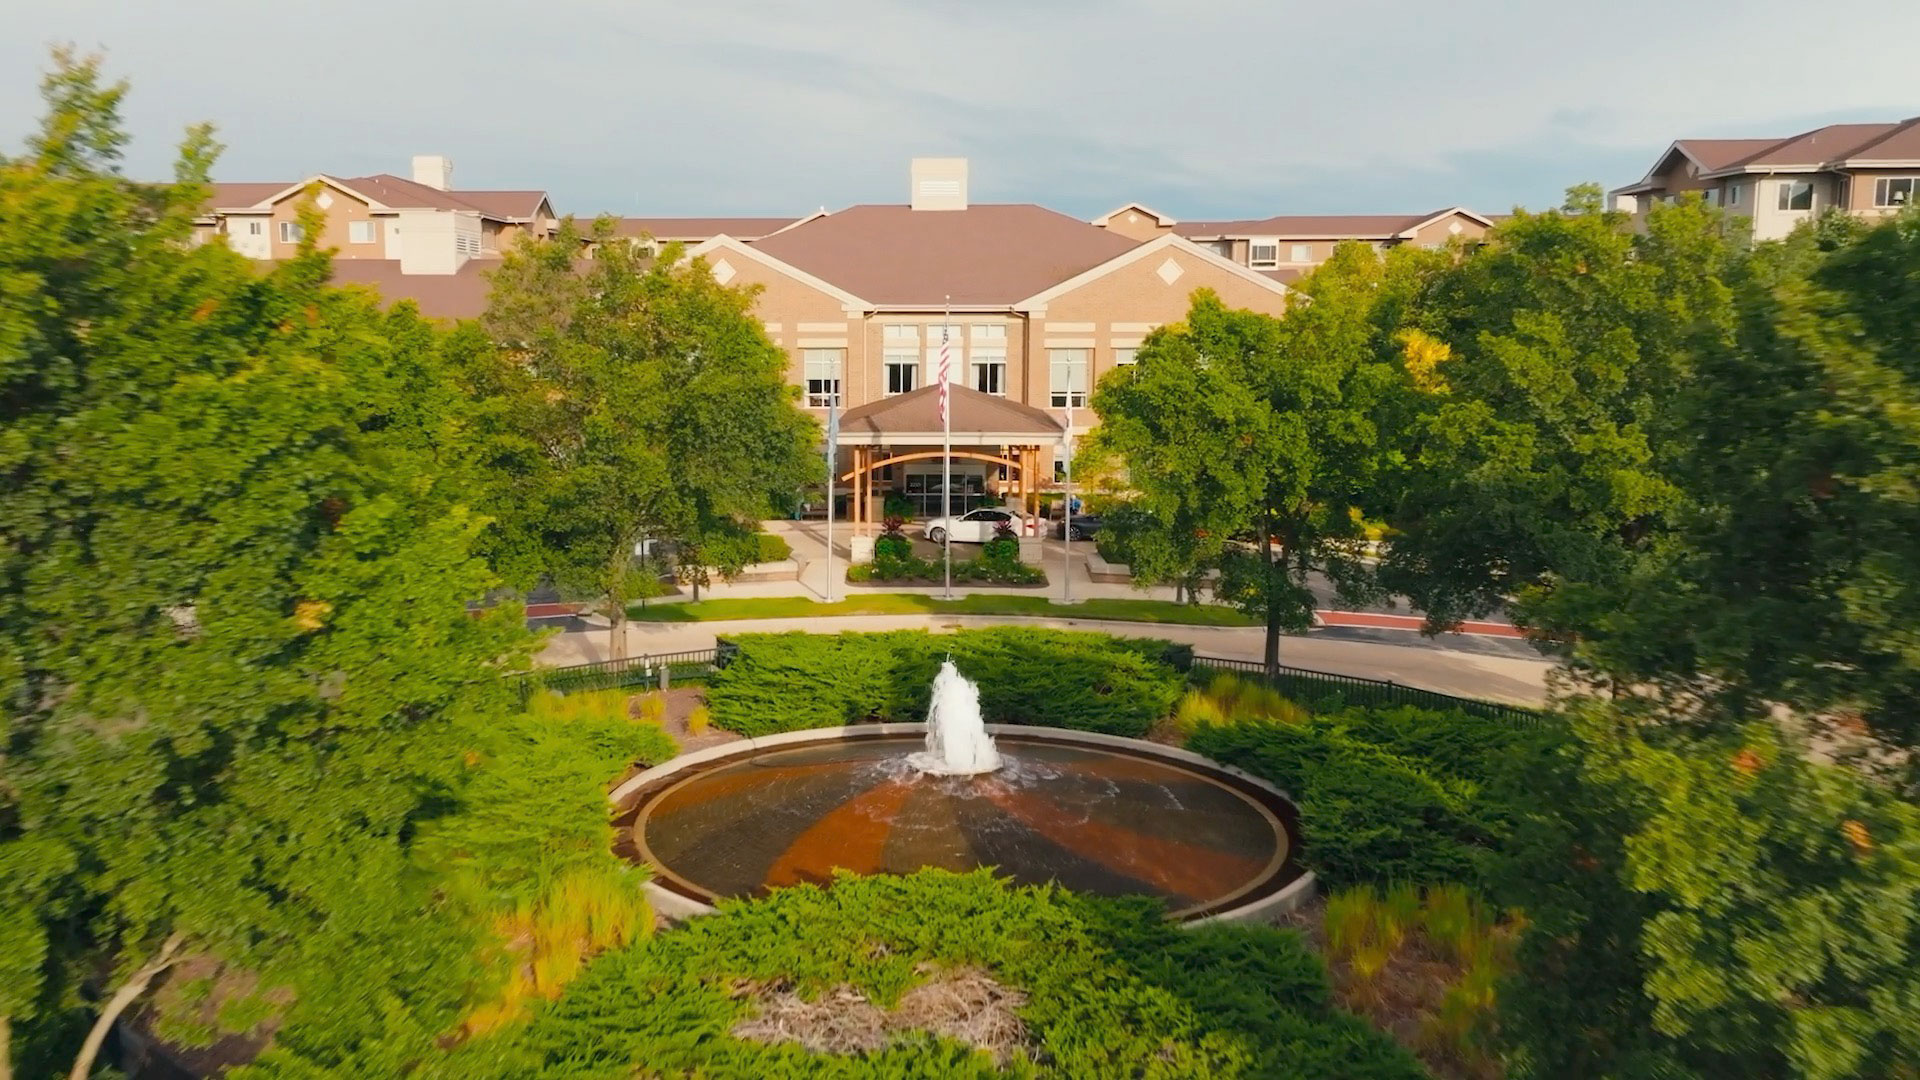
x=1092, y=819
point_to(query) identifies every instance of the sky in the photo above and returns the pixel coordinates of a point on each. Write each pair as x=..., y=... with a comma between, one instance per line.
x=1197, y=108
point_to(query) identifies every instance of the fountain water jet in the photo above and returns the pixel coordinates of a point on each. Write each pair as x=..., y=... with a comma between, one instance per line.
x=957, y=739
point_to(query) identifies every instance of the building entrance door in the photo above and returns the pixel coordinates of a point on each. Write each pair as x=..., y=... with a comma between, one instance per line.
x=923, y=491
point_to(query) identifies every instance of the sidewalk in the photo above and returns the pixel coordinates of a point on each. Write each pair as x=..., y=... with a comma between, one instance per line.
x=1502, y=678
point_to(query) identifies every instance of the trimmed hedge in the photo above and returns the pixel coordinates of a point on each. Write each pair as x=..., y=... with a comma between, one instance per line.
x=771, y=548
x=1055, y=678
x=1387, y=795
x=1112, y=989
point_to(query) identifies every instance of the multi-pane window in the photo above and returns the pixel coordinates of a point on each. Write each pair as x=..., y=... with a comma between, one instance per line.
x=1263, y=254
x=1069, y=377
x=1301, y=253
x=359, y=232
x=254, y=228
x=289, y=232
x=821, y=368
x=902, y=373
x=902, y=357
x=1796, y=195
x=989, y=371
x=1896, y=190
x=1123, y=355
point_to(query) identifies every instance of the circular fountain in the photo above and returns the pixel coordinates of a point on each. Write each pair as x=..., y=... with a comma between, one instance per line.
x=1093, y=813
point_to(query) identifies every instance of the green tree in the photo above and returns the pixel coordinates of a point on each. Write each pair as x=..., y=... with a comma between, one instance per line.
x=1237, y=425
x=235, y=611
x=621, y=400
x=1540, y=470
x=1709, y=907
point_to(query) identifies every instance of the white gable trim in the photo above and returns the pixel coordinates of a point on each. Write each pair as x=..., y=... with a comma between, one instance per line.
x=797, y=222
x=1159, y=218
x=1448, y=212
x=723, y=242
x=327, y=181
x=1152, y=247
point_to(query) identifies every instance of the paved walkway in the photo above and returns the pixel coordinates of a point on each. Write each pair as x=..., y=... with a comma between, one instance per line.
x=1504, y=678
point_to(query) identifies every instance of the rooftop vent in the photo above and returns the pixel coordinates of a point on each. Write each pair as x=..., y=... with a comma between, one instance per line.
x=939, y=183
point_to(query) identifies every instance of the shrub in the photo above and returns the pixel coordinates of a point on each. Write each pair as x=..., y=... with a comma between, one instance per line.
x=894, y=544
x=1112, y=990
x=787, y=682
x=895, y=507
x=1386, y=795
x=698, y=720
x=771, y=548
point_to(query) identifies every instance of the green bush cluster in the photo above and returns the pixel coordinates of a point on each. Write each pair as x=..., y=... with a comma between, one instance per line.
x=1091, y=682
x=998, y=564
x=1112, y=990
x=1386, y=795
x=771, y=548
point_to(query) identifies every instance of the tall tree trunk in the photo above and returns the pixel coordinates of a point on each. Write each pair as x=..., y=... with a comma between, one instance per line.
x=129, y=992
x=6, y=1047
x=617, y=631
x=1272, y=656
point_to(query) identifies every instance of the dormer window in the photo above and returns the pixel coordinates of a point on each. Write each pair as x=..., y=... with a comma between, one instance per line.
x=1263, y=254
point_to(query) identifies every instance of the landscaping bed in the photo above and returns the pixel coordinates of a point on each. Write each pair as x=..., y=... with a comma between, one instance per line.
x=882, y=603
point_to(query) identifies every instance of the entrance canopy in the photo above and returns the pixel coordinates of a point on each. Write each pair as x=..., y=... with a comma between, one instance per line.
x=977, y=419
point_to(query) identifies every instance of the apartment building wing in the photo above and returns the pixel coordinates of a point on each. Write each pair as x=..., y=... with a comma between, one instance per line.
x=1035, y=305
x=420, y=221
x=1030, y=308
x=1287, y=246
x=1864, y=169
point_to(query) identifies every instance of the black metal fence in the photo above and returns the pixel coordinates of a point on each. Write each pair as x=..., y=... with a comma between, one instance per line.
x=642, y=672
x=1307, y=686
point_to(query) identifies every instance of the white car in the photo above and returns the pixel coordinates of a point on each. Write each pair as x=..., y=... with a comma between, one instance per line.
x=973, y=527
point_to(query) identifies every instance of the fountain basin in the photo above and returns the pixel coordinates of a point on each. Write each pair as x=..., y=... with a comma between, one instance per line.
x=1095, y=813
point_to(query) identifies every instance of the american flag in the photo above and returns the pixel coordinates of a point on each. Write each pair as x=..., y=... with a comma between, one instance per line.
x=945, y=359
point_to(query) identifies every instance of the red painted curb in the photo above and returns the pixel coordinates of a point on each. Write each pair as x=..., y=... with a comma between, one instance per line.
x=1381, y=621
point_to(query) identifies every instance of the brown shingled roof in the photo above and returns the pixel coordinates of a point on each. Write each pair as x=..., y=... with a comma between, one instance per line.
x=1817, y=147
x=396, y=192
x=1361, y=226
x=985, y=255
x=459, y=295
x=700, y=228
x=1712, y=154
x=973, y=412
x=228, y=196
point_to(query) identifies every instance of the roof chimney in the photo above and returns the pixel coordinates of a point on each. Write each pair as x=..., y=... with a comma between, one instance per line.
x=433, y=170
x=939, y=183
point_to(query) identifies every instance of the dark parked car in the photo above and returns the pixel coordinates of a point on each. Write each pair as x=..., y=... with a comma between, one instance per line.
x=1084, y=527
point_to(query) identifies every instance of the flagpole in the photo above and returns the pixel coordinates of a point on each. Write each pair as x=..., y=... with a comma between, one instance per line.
x=1066, y=523
x=946, y=453
x=833, y=439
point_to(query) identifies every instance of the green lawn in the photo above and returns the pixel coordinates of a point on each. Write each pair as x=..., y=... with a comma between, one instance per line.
x=800, y=607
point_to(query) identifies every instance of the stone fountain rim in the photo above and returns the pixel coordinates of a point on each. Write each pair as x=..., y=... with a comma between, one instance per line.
x=678, y=907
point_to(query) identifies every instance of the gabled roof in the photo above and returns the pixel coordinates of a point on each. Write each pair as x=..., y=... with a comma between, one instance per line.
x=972, y=412
x=1163, y=242
x=983, y=256
x=386, y=191
x=1834, y=146
x=700, y=228
x=1159, y=218
x=1322, y=226
x=459, y=295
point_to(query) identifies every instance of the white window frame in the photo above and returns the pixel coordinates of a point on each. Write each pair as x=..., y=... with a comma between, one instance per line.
x=981, y=363
x=255, y=228
x=1066, y=368
x=1126, y=355
x=356, y=228
x=289, y=232
x=1300, y=253
x=985, y=332
x=1254, y=245
x=1883, y=192
x=897, y=363
x=1787, y=189
x=820, y=374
